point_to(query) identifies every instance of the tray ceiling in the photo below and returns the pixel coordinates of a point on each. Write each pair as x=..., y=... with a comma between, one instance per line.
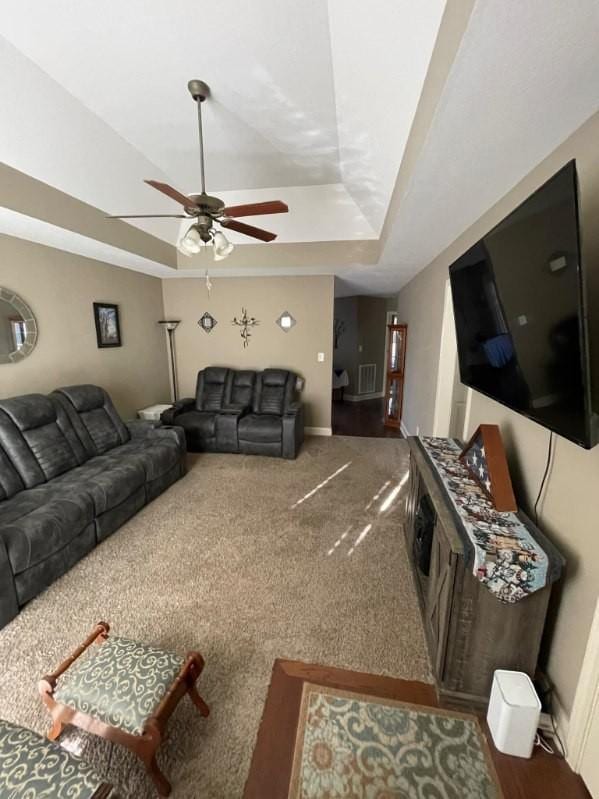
x=314, y=103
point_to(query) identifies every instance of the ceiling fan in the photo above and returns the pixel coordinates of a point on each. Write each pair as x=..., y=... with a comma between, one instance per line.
x=209, y=211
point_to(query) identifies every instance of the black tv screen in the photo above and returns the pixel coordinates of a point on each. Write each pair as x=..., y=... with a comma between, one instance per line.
x=519, y=307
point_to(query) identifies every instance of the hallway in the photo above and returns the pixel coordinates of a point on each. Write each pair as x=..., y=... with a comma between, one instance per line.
x=361, y=419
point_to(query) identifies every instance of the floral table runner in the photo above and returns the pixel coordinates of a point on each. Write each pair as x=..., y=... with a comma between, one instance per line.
x=505, y=554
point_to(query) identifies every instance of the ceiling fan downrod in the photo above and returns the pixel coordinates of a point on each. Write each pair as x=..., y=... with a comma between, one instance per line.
x=200, y=91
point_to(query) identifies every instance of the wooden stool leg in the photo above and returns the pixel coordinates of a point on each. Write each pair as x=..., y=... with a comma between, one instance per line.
x=55, y=730
x=163, y=786
x=198, y=701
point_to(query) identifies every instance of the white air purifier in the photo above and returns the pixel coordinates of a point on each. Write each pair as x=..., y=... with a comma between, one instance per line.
x=514, y=712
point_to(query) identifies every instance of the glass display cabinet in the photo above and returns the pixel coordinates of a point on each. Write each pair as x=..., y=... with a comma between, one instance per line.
x=395, y=360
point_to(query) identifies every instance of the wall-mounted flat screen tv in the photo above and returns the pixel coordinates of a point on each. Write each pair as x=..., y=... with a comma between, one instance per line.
x=520, y=313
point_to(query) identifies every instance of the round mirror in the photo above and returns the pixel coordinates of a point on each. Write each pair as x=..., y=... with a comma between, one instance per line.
x=18, y=329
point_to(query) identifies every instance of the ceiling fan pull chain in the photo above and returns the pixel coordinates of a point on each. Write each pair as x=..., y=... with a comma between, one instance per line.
x=199, y=104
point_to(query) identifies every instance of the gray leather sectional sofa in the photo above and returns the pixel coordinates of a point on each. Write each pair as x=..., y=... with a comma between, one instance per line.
x=255, y=413
x=71, y=473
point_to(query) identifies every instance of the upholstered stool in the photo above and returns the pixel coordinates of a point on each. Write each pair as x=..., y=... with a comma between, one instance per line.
x=33, y=767
x=123, y=691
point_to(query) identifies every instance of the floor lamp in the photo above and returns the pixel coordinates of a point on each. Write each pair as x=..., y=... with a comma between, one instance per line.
x=170, y=325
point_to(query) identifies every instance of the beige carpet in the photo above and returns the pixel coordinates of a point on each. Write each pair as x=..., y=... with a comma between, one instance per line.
x=231, y=562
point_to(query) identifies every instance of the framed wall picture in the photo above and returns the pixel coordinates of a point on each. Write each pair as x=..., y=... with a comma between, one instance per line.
x=484, y=457
x=108, y=330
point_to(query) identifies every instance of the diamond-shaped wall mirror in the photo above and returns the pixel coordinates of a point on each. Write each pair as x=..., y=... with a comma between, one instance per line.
x=286, y=321
x=207, y=322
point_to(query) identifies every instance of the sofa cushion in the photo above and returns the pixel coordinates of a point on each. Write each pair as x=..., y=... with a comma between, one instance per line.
x=262, y=428
x=212, y=388
x=93, y=417
x=274, y=391
x=201, y=423
x=38, y=438
x=109, y=481
x=37, y=523
x=242, y=388
x=156, y=457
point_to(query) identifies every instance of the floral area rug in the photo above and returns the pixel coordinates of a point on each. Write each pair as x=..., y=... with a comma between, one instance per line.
x=349, y=746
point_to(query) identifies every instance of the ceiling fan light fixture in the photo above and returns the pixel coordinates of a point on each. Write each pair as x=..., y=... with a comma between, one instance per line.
x=221, y=246
x=191, y=242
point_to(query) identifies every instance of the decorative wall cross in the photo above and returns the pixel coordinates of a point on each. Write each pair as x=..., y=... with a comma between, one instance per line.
x=245, y=323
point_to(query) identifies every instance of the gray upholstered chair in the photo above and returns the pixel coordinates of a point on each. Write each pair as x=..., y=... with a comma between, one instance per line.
x=255, y=413
x=198, y=415
x=31, y=766
x=275, y=425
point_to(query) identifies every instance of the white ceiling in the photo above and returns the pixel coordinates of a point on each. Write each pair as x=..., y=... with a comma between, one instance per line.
x=271, y=120
x=525, y=78
x=313, y=101
x=99, y=101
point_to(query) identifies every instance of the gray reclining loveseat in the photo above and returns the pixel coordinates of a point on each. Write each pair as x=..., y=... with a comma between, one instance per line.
x=255, y=413
x=71, y=473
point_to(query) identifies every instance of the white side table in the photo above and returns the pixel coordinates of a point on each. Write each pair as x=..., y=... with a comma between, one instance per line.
x=152, y=412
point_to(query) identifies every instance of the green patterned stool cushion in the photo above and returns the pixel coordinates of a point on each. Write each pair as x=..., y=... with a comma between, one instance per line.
x=119, y=682
x=31, y=766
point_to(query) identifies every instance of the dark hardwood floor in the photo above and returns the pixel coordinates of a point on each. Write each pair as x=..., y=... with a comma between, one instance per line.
x=361, y=419
x=544, y=776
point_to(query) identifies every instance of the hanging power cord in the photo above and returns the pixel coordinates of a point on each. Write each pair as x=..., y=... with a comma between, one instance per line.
x=544, y=744
x=545, y=690
x=544, y=479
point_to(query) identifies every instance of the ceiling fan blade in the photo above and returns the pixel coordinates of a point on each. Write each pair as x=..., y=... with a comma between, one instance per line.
x=248, y=230
x=187, y=202
x=149, y=216
x=257, y=209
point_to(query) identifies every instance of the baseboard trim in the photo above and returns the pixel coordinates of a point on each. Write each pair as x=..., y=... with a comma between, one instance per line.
x=318, y=431
x=404, y=430
x=363, y=397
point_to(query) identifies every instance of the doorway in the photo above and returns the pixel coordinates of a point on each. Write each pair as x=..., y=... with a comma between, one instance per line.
x=359, y=367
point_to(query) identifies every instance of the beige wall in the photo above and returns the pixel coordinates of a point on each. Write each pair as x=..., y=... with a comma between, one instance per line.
x=308, y=299
x=571, y=508
x=60, y=289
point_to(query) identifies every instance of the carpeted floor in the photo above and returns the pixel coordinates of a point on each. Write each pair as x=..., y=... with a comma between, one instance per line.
x=246, y=559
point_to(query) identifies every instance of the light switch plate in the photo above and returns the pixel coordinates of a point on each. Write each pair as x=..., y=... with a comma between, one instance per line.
x=321, y=357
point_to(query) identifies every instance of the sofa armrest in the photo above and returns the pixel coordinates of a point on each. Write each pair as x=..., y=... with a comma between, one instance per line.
x=235, y=410
x=140, y=428
x=180, y=406
x=172, y=432
x=293, y=430
x=9, y=604
x=293, y=409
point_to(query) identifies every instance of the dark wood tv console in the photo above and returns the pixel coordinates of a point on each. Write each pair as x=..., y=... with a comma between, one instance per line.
x=469, y=632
